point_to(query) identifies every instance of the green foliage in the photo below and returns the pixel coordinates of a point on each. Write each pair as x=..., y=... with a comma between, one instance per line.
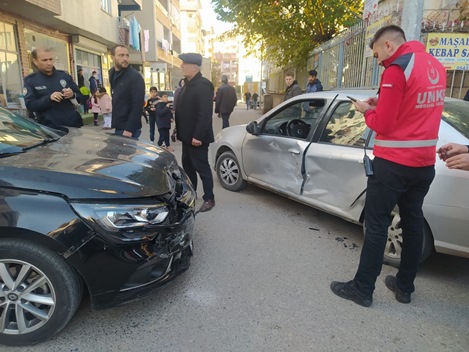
x=287, y=30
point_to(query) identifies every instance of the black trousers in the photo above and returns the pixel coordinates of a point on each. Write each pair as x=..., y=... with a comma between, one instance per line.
x=393, y=184
x=226, y=120
x=164, y=137
x=195, y=161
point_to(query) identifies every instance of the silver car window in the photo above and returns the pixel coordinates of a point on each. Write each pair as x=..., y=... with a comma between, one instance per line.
x=346, y=126
x=302, y=115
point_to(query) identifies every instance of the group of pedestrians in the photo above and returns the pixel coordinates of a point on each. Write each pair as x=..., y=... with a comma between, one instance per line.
x=405, y=146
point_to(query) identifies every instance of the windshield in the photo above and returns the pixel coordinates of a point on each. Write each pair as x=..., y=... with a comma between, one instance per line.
x=456, y=113
x=17, y=131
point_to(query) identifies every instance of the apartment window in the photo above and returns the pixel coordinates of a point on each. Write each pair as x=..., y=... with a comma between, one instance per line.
x=106, y=5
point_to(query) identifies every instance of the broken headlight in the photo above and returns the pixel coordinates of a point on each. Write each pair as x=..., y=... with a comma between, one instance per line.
x=114, y=217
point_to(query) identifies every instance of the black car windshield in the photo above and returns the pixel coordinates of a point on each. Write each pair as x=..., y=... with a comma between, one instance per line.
x=456, y=114
x=18, y=133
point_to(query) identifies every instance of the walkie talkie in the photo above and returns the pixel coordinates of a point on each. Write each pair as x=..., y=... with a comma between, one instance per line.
x=368, y=164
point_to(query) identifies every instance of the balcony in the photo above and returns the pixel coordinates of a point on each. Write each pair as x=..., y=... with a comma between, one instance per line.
x=130, y=5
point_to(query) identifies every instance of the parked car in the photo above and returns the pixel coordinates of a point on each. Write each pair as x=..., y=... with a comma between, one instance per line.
x=84, y=211
x=311, y=149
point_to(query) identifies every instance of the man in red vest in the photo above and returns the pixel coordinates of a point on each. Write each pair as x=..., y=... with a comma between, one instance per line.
x=406, y=118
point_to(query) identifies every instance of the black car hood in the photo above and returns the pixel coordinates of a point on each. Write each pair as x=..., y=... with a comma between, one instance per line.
x=89, y=164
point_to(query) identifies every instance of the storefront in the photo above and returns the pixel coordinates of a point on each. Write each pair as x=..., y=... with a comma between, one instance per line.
x=10, y=67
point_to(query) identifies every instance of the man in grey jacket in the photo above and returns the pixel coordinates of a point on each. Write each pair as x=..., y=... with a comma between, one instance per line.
x=225, y=101
x=293, y=89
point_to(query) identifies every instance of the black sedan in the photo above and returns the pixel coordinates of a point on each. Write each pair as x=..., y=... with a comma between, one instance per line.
x=84, y=211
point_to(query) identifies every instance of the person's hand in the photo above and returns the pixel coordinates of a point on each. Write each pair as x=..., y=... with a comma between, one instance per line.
x=451, y=149
x=67, y=93
x=56, y=96
x=196, y=142
x=460, y=162
x=373, y=101
x=361, y=106
x=127, y=133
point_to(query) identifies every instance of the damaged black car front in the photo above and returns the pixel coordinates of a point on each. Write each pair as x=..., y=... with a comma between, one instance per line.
x=82, y=212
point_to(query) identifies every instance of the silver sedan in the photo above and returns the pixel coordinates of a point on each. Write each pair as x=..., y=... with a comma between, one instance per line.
x=311, y=149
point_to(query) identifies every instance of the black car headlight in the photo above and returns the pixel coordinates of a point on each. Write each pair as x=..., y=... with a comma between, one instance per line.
x=116, y=217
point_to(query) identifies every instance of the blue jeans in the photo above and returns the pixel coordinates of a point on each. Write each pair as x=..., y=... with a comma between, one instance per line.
x=135, y=135
x=393, y=184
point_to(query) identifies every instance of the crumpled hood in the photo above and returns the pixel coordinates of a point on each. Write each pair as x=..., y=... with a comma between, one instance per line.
x=87, y=164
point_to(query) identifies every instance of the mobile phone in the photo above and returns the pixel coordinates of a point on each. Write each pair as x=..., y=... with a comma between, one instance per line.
x=352, y=99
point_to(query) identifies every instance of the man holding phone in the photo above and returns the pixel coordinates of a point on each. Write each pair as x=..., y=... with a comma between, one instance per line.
x=50, y=92
x=406, y=119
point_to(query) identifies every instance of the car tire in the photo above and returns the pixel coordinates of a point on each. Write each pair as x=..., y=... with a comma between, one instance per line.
x=39, y=292
x=229, y=172
x=392, y=251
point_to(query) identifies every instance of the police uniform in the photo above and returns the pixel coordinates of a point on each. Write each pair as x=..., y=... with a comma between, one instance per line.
x=38, y=88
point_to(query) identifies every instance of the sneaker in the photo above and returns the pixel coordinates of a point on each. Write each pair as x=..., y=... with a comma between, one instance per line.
x=347, y=290
x=401, y=296
x=207, y=206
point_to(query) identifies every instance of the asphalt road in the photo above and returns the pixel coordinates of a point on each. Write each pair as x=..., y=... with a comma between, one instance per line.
x=259, y=281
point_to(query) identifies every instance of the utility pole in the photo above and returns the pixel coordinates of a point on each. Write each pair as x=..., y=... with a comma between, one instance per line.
x=411, y=21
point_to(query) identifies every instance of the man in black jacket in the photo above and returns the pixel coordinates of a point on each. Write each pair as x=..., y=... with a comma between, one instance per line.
x=50, y=93
x=194, y=125
x=128, y=94
x=225, y=101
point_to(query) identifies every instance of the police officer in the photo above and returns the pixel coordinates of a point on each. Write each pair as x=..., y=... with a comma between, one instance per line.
x=50, y=93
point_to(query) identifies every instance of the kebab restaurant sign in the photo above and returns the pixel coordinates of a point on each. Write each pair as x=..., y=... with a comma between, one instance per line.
x=451, y=49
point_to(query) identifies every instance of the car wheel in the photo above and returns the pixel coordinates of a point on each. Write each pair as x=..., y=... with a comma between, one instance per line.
x=229, y=172
x=39, y=292
x=393, y=250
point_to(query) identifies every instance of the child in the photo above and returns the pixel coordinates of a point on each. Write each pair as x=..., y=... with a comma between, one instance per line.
x=164, y=117
x=95, y=109
x=150, y=108
x=106, y=107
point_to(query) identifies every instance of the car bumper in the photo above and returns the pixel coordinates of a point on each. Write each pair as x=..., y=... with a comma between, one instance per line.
x=130, y=271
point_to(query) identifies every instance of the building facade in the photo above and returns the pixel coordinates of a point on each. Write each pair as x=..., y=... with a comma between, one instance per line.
x=81, y=34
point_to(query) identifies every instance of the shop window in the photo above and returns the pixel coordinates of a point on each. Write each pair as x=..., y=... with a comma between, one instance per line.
x=10, y=68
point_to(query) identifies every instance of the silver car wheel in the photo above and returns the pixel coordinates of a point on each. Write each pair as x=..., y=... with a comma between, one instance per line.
x=394, y=244
x=27, y=297
x=229, y=172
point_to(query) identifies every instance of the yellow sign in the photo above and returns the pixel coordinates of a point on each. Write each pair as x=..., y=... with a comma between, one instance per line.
x=451, y=49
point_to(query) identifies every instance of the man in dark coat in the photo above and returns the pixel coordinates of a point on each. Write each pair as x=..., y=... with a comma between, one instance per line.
x=52, y=94
x=128, y=94
x=93, y=82
x=225, y=101
x=194, y=125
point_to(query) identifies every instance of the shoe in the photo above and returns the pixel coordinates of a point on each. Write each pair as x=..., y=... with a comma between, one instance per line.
x=401, y=296
x=96, y=124
x=348, y=291
x=207, y=206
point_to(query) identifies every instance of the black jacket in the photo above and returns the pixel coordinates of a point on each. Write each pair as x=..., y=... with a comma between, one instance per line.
x=226, y=99
x=39, y=88
x=194, y=111
x=164, y=115
x=128, y=97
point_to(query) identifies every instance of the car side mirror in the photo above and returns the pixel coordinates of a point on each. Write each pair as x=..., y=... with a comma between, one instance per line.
x=253, y=128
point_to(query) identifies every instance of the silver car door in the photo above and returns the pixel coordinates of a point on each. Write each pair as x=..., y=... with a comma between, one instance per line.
x=335, y=179
x=273, y=159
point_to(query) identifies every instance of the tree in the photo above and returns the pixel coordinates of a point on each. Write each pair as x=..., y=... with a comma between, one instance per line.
x=288, y=30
